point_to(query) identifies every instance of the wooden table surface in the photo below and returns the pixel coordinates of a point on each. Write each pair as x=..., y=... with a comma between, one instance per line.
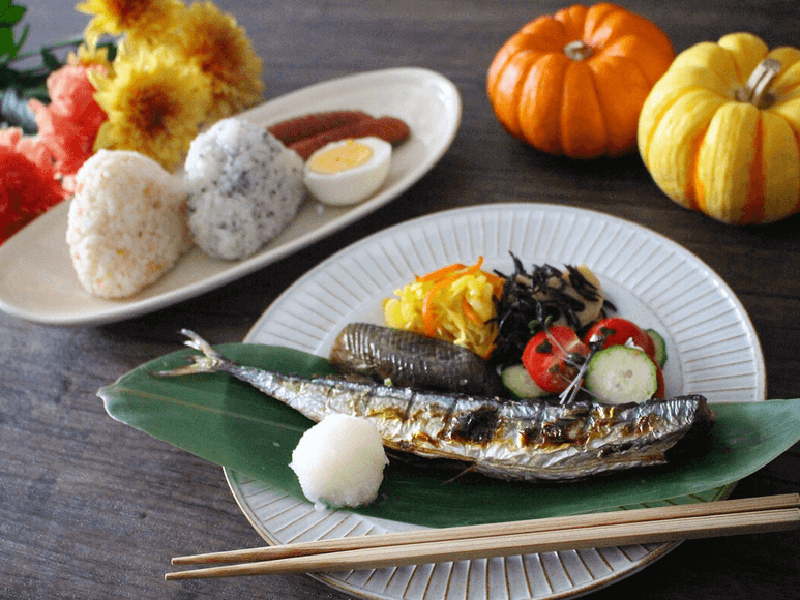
x=91, y=508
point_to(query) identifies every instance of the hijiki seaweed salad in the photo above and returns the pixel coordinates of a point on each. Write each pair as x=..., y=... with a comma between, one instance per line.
x=525, y=376
x=545, y=295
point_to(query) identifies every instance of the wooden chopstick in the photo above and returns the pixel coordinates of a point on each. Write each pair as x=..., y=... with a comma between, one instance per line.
x=491, y=529
x=649, y=525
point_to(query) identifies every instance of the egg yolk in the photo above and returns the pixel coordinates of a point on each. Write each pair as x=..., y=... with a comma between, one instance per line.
x=341, y=158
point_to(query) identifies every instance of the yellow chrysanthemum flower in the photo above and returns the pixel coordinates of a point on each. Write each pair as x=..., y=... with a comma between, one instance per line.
x=212, y=39
x=155, y=104
x=91, y=57
x=136, y=18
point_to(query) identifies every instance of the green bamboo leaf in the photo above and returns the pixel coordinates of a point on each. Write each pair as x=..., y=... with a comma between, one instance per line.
x=231, y=424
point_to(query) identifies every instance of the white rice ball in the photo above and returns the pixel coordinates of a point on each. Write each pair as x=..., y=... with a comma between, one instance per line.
x=245, y=188
x=340, y=461
x=126, y=224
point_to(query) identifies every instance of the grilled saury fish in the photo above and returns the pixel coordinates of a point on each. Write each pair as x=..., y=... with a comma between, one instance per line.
x=507, y=439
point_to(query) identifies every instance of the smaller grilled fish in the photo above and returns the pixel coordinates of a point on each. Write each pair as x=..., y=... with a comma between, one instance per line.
x=408, y=359
x=528, y=439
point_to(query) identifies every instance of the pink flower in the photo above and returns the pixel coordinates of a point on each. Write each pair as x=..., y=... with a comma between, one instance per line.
x=38, y=172
x=69, y=124
x=28, y=186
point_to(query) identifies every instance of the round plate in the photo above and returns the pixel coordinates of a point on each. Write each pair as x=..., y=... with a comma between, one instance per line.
x=712, y=348
x=38, y=282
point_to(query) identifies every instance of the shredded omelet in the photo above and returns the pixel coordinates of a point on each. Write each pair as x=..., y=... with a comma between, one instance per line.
x=454, y=304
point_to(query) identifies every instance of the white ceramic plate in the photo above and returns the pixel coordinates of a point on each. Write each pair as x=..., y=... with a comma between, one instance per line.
x=38, y=282
x=712, y=347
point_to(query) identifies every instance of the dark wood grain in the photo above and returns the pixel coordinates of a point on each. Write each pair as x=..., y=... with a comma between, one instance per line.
x=93, y=509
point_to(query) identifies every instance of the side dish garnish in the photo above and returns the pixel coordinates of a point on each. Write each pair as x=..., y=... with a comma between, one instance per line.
x=623, y=373
x=340, y=461
x=571, y=298
x=455, y=303
x=547, y=332
x=553, y=358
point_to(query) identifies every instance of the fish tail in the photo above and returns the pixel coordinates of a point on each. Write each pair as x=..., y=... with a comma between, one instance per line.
x=208, y=362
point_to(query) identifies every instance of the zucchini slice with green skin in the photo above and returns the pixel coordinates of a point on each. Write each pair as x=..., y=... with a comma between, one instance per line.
x=620, y=374
x=661, y=347
x=520, y=383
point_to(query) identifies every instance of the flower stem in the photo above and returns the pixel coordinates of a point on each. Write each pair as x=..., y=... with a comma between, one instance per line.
x=57, y=46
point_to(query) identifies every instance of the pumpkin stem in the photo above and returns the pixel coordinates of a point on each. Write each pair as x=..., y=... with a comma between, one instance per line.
x=577, y=50
x=757, y=90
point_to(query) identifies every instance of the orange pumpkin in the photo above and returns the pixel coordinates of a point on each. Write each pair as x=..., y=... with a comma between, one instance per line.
x=574, y=83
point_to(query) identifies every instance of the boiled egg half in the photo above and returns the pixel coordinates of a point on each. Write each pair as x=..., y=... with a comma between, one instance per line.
x=348, y=171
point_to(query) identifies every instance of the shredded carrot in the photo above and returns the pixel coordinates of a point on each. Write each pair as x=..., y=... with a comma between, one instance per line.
x=470, y=312
x=455, y=303
x=443, y=278
x=444, y=271
x=428, y=309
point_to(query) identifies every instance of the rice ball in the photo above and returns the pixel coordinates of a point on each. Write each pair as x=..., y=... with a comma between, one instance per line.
x=245, y=187
x=126, y=224
x=340, y=461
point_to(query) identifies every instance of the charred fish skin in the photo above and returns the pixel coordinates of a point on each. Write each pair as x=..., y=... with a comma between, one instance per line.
x=514, y=440
x=409, y=359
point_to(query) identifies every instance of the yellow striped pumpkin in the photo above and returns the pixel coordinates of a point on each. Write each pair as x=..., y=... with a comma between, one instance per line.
x=720, y=131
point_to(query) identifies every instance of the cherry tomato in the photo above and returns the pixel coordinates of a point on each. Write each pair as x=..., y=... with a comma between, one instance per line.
x=547, y=357
x=617, y=331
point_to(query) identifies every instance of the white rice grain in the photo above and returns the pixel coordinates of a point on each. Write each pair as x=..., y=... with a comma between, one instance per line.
x=126, y=224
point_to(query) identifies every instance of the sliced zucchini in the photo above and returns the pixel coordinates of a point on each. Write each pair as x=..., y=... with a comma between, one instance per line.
x=620, y=374
x=519, y=382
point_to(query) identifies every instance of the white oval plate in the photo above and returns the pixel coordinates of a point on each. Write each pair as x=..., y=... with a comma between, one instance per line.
x=38, y=282
x=712, y=348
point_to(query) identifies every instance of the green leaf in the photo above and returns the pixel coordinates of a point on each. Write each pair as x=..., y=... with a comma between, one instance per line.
x=21, y=41
x=111, y=46
x=11, y=15
x=50, y=60
x=7, y=47
x=231, y=424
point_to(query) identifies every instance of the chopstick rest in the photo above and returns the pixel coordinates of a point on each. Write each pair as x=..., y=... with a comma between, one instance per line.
x=618, y=528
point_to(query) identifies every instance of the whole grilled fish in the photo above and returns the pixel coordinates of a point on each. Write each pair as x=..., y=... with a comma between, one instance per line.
x=529, y=439
x=409, y=359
